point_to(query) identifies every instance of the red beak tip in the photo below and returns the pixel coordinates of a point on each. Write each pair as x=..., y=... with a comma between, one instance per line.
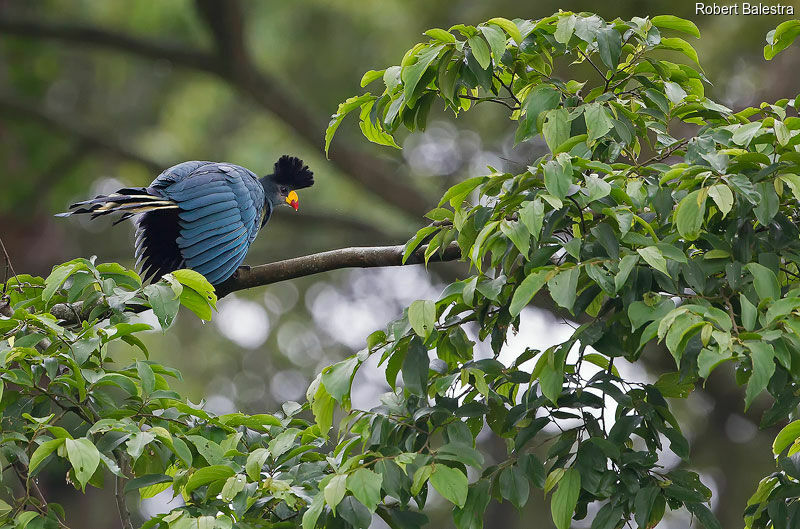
x=295, y=205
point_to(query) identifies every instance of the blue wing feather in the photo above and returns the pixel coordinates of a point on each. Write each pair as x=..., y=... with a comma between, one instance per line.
x=220, y=207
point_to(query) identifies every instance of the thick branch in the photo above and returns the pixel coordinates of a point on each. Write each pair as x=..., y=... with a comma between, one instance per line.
x=356, y=257
x=232, y=65
x=96, y=140
x=266, y=274
x=89, y=35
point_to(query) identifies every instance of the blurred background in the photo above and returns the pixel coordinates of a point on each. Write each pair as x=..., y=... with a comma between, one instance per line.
x=100, y=94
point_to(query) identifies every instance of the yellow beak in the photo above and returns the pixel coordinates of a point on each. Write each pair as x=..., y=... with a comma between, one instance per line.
x=293, y=200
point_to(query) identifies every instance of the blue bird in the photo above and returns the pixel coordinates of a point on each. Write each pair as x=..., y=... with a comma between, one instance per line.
x=201, y=215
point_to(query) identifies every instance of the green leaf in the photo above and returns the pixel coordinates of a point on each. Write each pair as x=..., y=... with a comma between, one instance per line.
x=412, y=74
x=784, y=35
x=609, y=45
x=458, y=192
x=541, y=98
x=558, y=175
x=598, y=121
x=508, y=26
x=676, y=23
x=366, y=487
x=422, y=317
x=335, y=490
x=421, y=476
x=42, y=451
x=563, y=287
x=785, y=437
x=371, y=75
x=556, y=127
x=722, y=196
x=283, y=442
x=518, y=233
x=311, y=515
x=744, y=134
x=565, y=27
x=653, y=256
x=782, y=133
x=551, y=378
x=206, y=475
x=565, y=499
x=415, y=368
x=678, y=44
x=197, y=282
x=690, y=213
x=526, y=290
x=531, y=213
x=146, y=481
x=146, y=377
x=164, y=300
x=497, y=40
x=450, y=483
x=765, y=282
x=749, y=313
x=57, y=278
x=674, y=92
x=322, y=405
x=373, y=131
x=84, y=457
x=345, y=108
x=255, y=462
x=440, y=35
x=480, y=50
x=514, y=486
x=338, y=377
x=643, y=504
x=762, y=354
x=233, y=486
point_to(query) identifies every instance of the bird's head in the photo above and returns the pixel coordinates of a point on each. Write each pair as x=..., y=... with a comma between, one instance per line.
x=290, y=174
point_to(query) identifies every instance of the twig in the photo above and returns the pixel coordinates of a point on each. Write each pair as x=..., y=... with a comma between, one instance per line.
x=9, y=266
x=490, y=99
x=585, y=56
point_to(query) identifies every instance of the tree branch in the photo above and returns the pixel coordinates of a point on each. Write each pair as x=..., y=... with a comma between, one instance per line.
x=266, y=274
x=119, y=492
x=96, y=140
x=89, y=35
x=233, y=66
x=355, y=257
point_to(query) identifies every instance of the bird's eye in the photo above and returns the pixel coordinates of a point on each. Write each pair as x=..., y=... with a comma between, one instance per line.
x=284, y=190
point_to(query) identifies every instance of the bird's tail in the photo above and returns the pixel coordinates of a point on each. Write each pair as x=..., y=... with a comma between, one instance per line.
x=129, y=201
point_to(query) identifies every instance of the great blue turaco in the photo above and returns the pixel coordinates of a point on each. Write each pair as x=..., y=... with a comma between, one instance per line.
x=201, y=215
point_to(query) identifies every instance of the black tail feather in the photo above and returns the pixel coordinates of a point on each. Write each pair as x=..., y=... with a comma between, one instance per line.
x=129, y=201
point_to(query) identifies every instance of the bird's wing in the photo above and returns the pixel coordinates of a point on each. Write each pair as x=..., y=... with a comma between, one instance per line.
x=219, y=213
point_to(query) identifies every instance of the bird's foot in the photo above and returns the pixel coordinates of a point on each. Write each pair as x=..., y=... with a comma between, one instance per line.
x=242, y=268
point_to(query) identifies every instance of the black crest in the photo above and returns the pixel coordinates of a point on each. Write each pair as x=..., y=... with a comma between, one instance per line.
x=292, y=172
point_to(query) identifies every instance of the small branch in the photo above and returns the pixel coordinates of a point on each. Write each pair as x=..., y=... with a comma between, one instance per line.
x=119, y=493
x=585, y=56
x=490, y=99
x=664, y=155
x=356, y=257
x=9, y=265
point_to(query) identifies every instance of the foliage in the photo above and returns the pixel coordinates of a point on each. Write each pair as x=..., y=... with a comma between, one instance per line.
x=67, y=403
x=642, y=237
